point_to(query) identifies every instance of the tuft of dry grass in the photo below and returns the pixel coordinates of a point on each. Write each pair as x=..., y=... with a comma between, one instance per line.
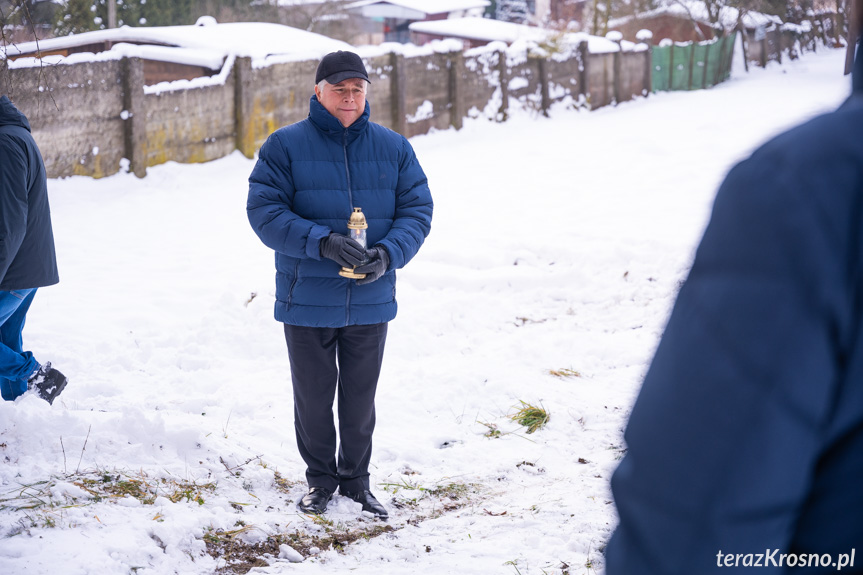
x=240, y=557
x=530, y=416
x=493, y=431
x=118, y=484
x=564, y=373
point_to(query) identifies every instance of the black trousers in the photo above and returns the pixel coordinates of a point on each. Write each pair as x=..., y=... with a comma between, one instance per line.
x=325, y=363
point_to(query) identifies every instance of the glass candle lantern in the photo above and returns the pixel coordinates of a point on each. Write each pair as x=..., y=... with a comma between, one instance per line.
x=357, y=227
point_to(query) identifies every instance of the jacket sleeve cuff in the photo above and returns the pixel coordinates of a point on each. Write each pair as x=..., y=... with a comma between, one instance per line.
x=387, y=259
x=394, y=251
x=313, y=244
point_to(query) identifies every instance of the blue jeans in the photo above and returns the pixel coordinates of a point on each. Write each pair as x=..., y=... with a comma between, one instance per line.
x=16, y=365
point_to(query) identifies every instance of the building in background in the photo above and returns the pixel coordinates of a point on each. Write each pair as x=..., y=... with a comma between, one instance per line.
x=394, y=17
x=473, y=31
x=566, y=14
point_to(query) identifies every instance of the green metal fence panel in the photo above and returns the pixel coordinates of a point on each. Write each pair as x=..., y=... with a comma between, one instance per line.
x=681, y=63
x=692, y=66
x=699, y=61
x=661, y=60
x=712, y=71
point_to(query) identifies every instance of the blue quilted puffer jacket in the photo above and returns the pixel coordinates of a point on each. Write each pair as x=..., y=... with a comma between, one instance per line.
x=308, y=178
x=745, y=445
x=27, y=256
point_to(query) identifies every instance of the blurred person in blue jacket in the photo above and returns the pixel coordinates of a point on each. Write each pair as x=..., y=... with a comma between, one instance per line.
x=308, y=179
x=27, y=258
x=745, y=444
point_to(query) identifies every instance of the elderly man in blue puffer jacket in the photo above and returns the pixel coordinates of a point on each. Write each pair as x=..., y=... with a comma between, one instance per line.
x=308, y=179
x=746, y=441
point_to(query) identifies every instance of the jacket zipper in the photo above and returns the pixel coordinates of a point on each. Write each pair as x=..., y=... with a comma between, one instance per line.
x=347, y=169
x=293, y=282
x=351, y=202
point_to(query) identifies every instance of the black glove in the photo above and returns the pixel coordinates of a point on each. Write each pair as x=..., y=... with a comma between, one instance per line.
x=342, y=250
x=375, y=267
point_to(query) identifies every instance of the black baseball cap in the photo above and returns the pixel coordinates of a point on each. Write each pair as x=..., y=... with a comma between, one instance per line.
x=338, y=66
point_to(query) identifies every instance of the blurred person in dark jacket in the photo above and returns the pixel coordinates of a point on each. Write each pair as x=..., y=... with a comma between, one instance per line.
x=309, y=178
x=745, y=444
x=27, y=258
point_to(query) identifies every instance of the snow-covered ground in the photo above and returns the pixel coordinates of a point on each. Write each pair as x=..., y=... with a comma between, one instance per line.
x=557, y=245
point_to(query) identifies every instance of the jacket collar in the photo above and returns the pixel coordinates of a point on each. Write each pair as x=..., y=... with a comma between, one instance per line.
x=330, y=125
x=10, y=116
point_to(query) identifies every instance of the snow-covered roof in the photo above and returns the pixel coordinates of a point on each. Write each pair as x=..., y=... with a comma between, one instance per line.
x=300, y=2
x=420, y=9
x=697, y=11
x=192, y=44
x=493, y=31
x=480, y=29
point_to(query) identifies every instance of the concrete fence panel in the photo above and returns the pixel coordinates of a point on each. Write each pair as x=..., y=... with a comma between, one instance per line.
x=599, y=91
x=76, y=115
x=523, y=82
x=482, y=92
x=564, y=78
x=427, y=94
x=276, y=96
x=382, y=97
x=190, y=126
x=633, y=70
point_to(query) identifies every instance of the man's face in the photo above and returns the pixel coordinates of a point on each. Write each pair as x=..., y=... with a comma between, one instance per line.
x=345, y=100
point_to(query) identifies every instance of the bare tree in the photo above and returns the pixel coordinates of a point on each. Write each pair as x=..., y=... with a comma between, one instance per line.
x=600, y=18
x=598, y=13
x=855, y=27
x=327, y=17
x=16, y=8
x=9, y=12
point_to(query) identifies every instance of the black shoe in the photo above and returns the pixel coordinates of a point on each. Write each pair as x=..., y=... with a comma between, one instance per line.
x=315, y=501
x=48, y=382
x=369, y=503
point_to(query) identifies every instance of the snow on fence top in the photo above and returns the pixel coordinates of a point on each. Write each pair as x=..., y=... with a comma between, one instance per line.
x=188, y=44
